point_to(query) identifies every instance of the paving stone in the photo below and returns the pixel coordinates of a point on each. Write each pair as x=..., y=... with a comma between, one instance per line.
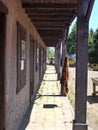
x=50, y=111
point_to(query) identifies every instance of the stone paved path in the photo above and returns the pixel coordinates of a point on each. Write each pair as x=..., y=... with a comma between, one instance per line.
x=50, y=110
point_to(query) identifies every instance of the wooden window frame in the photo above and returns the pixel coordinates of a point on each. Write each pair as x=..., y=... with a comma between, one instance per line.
x=21, y=57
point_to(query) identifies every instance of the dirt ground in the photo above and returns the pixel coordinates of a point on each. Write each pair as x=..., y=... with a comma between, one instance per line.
x=92, y=102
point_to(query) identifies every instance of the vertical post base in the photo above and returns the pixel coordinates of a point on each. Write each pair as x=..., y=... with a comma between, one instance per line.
x=80, y=126
x=58, y=76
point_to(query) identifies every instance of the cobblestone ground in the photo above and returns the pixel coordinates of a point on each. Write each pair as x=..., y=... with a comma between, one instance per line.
x=92, y=102
x=50, y=110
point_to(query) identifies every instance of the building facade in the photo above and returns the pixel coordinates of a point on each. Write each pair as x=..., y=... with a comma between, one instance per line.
x=22, y=62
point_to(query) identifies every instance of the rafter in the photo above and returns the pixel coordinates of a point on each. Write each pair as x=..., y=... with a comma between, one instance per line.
x=48, y=5
x=54, y=26
x=39, y=16
x=51, y=36
x=48, y=32
x=52, y=12
x=51, y=20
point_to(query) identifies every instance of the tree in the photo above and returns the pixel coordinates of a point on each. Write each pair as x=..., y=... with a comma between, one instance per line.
x=50, y=52
x=91, y=46
x=71, y=41
x=95, y=53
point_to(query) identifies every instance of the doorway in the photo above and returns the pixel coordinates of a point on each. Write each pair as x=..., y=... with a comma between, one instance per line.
x=2, y=70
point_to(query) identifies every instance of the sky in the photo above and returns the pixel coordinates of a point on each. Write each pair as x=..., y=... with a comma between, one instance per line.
x=93, y=23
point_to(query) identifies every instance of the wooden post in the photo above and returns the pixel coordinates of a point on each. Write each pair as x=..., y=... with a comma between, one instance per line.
x=64, y=52
x=81, y=66
x=81, y=74
x=45, y=58
x=64, y=48
x=58, y=59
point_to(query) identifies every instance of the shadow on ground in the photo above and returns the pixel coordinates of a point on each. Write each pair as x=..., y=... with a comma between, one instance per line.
x=92, y=99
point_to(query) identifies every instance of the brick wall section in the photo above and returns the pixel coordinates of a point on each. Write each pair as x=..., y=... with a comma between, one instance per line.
x=16, y=105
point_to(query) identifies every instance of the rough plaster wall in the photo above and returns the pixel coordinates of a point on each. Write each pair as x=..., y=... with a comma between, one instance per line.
x=16, y=105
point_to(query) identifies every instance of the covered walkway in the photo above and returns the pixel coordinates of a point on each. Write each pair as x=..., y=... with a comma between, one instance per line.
x=50, y=110
x=27, y=28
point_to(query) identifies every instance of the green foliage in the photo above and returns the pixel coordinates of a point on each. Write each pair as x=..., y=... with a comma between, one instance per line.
x=96, y=47
x=71, y=41
x=92, y=46
x=50, y=52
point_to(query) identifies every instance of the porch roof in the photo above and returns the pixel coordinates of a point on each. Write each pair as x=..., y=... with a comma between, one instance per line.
x=51, y=17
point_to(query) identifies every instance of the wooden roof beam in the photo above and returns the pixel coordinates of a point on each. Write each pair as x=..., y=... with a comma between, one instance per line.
x=50, y=28
x=51, y=37
x=37, y=10
x=60, y=29
x=39, y=16
x=52, y=12
x=54, y=20
x=50, y=24
x=48, y=5
x=52, y=31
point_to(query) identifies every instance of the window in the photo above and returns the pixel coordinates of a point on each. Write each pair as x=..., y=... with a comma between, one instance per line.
x=21, y=57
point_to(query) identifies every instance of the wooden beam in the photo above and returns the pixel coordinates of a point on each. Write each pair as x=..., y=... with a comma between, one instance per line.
x=52, y=36
x=49, y=38
x=67, y=20
x=50, y=28
x=52, y=32
x=50, y=11
x=51, y=24
x=89, y=10
x=3, y=8
x=64, y=47
x=49, y=5
x=58, y=58
x=40, y=16
x=50, y=44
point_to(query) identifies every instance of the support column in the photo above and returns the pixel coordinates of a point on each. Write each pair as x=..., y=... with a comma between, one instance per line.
x=64, y=48
x=45, y=58
x=81, y=67
x=64, y=51
x=58, y=59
